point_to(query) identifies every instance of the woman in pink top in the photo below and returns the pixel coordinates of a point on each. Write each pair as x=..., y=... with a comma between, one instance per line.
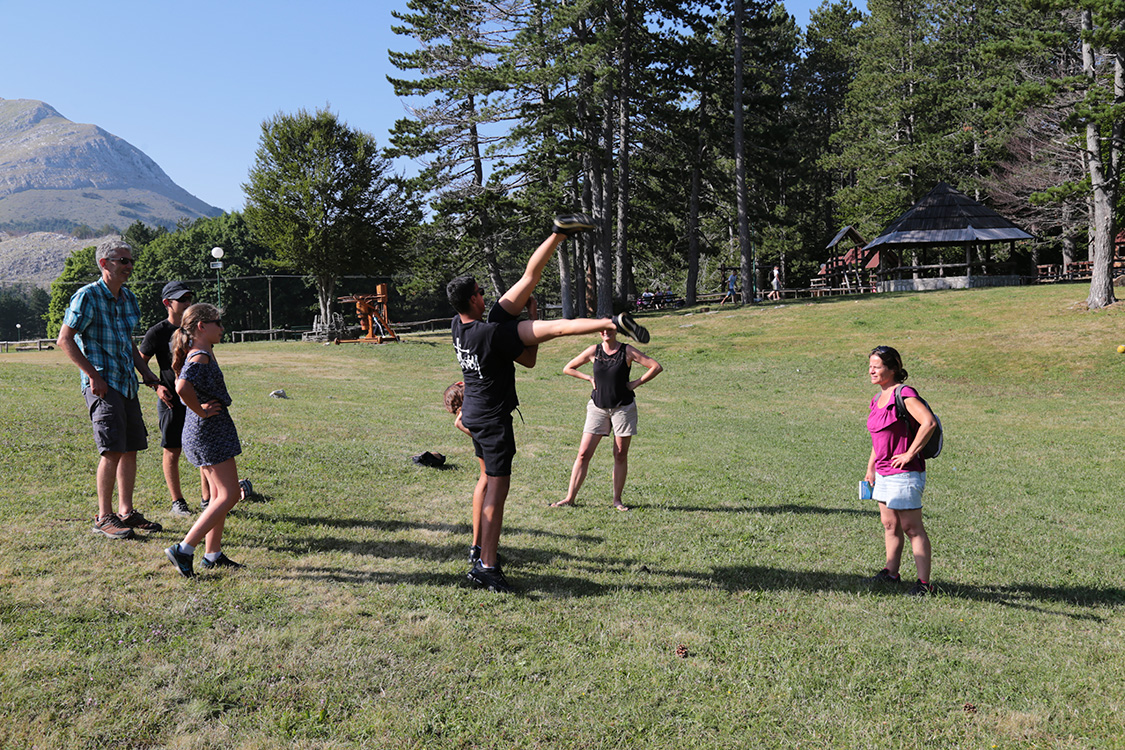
x=896, y=469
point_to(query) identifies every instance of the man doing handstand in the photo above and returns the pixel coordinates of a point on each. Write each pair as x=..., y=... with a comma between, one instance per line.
x=486, y=350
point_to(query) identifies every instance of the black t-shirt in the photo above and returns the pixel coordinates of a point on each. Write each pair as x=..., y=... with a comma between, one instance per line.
x=158, y=342
x=486, y=351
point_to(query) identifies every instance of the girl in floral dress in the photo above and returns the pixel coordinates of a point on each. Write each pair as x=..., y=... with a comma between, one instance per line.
x=210, y=440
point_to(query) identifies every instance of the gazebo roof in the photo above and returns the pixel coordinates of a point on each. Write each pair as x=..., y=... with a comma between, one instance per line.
x=946, y=217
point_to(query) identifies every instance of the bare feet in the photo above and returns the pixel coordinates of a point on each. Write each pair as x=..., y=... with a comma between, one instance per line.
x=561, y=504
x=619, y=506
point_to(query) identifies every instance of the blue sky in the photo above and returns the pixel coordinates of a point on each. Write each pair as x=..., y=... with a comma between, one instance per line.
x=190, y=83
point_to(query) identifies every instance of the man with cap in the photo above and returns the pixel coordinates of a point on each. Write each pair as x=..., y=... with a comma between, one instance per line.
x=176, y=298
x=97, y=336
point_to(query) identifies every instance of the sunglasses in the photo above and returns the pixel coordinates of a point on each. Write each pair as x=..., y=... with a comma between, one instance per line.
x=123, y=261
x=216, y=321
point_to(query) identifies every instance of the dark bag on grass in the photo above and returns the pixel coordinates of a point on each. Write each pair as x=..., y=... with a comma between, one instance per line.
x=933, y=446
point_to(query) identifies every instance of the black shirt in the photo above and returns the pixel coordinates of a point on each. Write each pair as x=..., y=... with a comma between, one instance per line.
x=486, y=351
x=158, y=341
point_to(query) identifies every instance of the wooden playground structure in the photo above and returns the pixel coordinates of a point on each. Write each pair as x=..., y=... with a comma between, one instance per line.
x=374, y=319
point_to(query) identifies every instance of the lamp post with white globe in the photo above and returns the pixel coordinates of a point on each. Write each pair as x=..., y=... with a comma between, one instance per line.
x=217, y=264
x=19, y=332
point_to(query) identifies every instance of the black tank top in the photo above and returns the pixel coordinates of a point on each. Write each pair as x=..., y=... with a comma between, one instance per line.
x=611, y=378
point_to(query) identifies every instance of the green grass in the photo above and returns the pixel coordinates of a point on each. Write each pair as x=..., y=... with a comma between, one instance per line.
x=351, y=627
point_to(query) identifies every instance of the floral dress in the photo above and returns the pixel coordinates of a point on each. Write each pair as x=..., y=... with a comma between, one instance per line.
x=207, y=442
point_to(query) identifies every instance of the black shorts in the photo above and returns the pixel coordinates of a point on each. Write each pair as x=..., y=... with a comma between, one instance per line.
x=119, y=426
x=495, y=443
x=171, y=424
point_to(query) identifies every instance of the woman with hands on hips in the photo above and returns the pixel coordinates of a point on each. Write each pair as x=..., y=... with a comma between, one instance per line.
x=896, y=468
x=611, y=408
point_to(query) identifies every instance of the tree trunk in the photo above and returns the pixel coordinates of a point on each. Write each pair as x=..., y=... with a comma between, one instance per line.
x=1103, y=181
x=745, y=248
x=325, y=292
x=568, y=259
x=605, y=184
x=623, y=263
x=693, y=235
x=584, y=256
x=496, y=278
x=1068, y=244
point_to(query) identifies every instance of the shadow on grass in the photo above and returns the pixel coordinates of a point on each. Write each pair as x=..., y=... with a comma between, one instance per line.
x=392, y=548
x=396, y=526
x=348, y=575
x=1023, y=596
x=769, y=510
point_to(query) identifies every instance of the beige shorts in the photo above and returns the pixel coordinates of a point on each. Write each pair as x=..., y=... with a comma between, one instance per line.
x=622, y=420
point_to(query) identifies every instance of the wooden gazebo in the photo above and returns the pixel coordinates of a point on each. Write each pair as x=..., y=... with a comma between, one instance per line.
x=945, y=217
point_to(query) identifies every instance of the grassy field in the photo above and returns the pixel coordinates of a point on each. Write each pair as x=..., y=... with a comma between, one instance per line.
x=351, y=625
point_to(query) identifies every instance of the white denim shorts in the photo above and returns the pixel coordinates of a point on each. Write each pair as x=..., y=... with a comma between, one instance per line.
x=900, y=491
x=623, y=420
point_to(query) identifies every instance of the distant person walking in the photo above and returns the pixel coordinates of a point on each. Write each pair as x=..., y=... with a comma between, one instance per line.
x=210, y=440
x=775, y=283
x=896, y=468
x=612, y=408
x=97, y=336
x=732, y=290
x=170, y=411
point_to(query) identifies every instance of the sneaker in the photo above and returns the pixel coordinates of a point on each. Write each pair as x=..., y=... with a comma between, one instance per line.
x=111, y=526
x=921, y=589
x=246, y=487
x=489, y=578
x=885, y=576
x=181, y=560
x=475, y=554
x=569, y=224
x=137, y=521
x=204, y=503
x=631, y=328
x=222, y=562
x=180, y=508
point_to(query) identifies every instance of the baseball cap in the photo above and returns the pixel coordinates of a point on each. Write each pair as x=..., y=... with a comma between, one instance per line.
x=174, y=290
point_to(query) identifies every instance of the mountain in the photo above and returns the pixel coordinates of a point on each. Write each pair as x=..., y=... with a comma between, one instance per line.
x=56, y=174
x=37, y=258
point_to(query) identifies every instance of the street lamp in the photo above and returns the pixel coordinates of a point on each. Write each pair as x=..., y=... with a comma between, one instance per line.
x=217, y=264
x=19, y=332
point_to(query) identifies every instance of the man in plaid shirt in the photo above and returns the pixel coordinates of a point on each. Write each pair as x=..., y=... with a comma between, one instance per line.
x=97, y=336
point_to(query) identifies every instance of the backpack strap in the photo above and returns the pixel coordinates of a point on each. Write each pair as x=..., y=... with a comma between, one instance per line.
x=900, y=403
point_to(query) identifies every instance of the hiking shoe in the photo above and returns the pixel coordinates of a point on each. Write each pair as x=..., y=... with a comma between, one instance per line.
x=136, y=521
x=111, y=526
x=885, y=576
x=474, y=555
x=569, y=224
x=489, y=578
x=181, y=560
x=921, y=589
x=631, y=328
x=221, y=562
x=180, y=508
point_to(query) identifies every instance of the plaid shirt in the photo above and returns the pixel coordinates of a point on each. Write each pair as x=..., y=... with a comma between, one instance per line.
x=104, y=325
